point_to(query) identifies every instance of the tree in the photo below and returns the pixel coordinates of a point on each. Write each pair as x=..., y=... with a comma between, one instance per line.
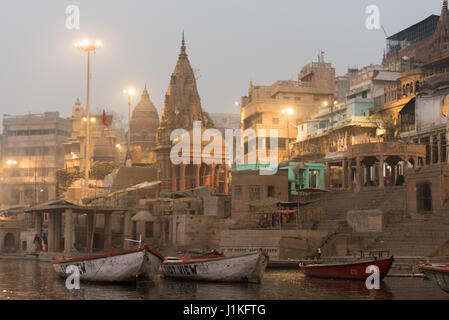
x=100, y=170
x=386, y=123
x=65, y=178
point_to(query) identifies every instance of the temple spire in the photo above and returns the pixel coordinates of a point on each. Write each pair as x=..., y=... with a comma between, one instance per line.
x=444, y=17
x=183, y=47
x=145, y=92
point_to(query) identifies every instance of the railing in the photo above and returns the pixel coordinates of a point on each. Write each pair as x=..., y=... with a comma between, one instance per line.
x=337, y=125
x=322, y=243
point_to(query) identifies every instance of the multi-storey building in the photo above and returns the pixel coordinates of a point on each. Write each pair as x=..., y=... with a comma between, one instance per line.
x=31, y=153
x=284, y=104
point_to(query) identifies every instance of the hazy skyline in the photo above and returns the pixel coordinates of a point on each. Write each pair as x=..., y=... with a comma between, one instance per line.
x=230, y=42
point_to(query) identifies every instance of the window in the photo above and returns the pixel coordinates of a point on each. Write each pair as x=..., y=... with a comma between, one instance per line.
x=254, y=193
x=282, y=143
x=270, y=191
x=275, y=120
x=424, y=197
x=149, y=229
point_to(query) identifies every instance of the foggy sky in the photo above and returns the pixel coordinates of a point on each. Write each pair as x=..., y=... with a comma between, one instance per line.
x=231, y=42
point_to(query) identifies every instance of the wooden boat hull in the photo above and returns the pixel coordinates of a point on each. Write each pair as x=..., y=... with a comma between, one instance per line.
x=439, y=273
x=245, y=268
x=352, y=271
x=124, y=266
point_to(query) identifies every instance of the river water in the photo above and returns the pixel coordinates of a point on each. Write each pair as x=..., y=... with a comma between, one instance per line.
x=25, y=279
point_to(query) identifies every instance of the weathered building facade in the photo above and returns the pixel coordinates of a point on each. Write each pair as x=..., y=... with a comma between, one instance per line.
x=31, y=154
x=284, y=104
x=103, y=139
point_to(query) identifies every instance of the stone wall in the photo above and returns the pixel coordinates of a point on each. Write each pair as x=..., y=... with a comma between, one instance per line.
x=280, y=244
x=243, y=181
x=437, y=176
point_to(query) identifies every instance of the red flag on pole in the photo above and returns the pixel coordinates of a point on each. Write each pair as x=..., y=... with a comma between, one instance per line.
x=104, y=118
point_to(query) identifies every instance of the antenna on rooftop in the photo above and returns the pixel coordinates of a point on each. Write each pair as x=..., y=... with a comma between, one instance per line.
x=321, y=56
x=386, y=35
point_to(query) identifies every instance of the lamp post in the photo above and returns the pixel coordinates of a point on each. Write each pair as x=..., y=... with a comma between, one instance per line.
x=129, y=92
x=288, y=112
x=326, y=104
x=87, y=46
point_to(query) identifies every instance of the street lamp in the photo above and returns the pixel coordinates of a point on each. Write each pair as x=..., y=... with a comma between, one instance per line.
x=288, y=112
x=326, y=104
x=129, y=92
x=87, y=46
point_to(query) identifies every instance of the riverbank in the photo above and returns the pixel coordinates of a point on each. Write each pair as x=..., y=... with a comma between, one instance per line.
x=26, y=280
x=403, y=266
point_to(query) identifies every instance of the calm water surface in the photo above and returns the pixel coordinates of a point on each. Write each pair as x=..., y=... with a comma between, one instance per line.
x=22, y=279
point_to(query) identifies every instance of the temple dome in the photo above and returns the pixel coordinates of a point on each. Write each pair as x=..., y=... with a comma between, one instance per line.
x=144, y=123
x=145, y=108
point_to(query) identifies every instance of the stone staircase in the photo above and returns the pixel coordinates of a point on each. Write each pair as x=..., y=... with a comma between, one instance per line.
x=390, y=200
x=415, y=236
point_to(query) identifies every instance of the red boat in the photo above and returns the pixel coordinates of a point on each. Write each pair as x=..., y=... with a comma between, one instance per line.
x=353, y=270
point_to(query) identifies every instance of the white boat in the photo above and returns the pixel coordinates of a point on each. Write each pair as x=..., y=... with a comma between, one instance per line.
x=122, y=266
x=218, y=268
x=437, y=272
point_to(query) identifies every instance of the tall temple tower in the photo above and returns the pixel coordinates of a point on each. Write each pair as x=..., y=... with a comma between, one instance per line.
x=441, y=34
x=181, y=107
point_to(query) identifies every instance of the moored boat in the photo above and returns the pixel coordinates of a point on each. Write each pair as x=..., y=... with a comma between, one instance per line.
x=352, y=271
x=122, y=266
x=437, y=272
x=218, y=268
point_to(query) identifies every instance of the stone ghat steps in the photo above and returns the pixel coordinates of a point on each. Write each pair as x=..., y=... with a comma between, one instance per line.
x=414, y=236
x=337, y=204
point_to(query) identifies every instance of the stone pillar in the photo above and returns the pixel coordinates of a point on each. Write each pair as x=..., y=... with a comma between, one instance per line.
x=447, y=142
x=381, y=172
x=197, y=175
x=344, y=174
x=58, y=231
x=349, y=176
x=127, y=230
x=327, y=180
x=226, y=186
x=359, y=175
x=90, y=228
x=38, y=223
x=174, y=178
x=416, y=160
x=107, y=232
x=431, y=149
x=68, y=230
x=217, y=179
x=211, y=178
x=182, y=177
x=51, y=232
